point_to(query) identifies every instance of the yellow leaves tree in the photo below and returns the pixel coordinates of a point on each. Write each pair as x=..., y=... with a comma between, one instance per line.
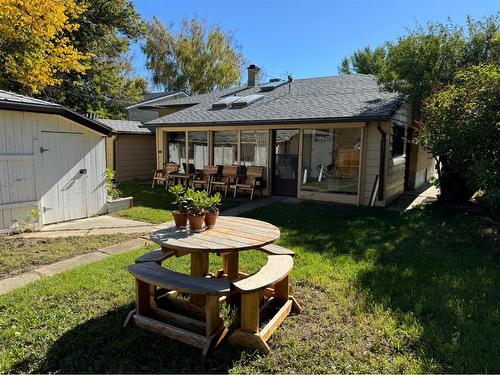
x=34, y=43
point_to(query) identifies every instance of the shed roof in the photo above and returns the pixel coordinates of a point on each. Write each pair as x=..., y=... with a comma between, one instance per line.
x=16, y=102
x=126, y=126
x=356, y=97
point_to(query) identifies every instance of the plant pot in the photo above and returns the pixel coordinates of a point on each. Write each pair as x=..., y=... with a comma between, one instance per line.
x=196, y=222
x=211, y=219
x=181, y=219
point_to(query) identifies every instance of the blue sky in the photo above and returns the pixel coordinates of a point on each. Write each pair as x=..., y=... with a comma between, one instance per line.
x=309, y=38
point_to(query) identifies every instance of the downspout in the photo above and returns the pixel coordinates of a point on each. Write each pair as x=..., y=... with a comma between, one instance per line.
x=383, y=138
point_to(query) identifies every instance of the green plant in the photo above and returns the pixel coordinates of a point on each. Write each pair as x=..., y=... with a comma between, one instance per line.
x=29, y=223
x=181, y=200
x=111, y=188
x=198, y=201
x=213, y=202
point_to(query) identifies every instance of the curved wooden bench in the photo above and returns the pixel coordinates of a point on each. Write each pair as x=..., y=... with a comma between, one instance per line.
x=275, y=272
x=156, y=256
x=273, y=249
x=201, y=334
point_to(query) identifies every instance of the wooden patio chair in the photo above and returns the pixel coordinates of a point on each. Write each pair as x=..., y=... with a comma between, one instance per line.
x=251, y=181
x=204, y=177
x=163, y=175
x=254, y=307
x=225, y=179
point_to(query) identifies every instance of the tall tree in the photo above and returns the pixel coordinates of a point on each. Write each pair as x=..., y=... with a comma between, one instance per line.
x=197, y=59
x=35, y=45
x=363, y=61
x=107, y=29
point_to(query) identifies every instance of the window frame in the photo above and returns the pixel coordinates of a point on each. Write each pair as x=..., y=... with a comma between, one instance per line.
x=401, y=149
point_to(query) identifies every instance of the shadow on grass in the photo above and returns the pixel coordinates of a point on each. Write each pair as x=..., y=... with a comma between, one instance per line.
x=431, y=268
x=102, y=345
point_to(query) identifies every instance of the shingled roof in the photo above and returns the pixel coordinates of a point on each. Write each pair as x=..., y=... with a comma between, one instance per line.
x=126, y=126
x=16, y=102
x=355, y=97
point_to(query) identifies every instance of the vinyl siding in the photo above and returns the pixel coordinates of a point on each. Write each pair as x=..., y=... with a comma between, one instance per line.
x=135, y=157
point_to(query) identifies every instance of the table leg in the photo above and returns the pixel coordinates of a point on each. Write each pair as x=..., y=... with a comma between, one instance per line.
x=230, y=264
x=199, y=268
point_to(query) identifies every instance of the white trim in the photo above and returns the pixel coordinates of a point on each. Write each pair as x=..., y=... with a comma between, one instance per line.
x=18, y=204
x=156, y=99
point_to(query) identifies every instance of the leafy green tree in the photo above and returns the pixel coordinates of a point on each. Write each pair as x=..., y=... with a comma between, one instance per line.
x=461, y=127
x=197, y=59
x=107, y=29
x=363, y=61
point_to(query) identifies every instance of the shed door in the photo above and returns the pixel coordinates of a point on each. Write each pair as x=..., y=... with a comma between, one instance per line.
x=64, y=177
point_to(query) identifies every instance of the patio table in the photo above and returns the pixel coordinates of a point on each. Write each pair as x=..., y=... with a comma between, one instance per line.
x=230, y=236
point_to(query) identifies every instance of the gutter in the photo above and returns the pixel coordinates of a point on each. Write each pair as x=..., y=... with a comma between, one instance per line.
x=383, y=138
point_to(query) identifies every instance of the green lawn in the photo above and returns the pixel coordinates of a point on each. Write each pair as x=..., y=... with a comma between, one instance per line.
x=380, y=291
x=155, y=205
x=23, y=254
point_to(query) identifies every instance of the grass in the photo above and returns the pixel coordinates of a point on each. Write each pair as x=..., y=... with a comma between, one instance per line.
x=23, y=254
x=155, y=205
x=380, y=291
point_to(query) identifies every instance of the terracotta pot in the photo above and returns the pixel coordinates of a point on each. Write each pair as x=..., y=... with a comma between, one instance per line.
x=196, y=222
x=181, y=219
x=211, y=218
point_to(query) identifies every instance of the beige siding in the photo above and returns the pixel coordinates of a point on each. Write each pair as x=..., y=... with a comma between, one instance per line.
x=110, y=162
x=135, y=157
x=21, y=171
x=371, y=161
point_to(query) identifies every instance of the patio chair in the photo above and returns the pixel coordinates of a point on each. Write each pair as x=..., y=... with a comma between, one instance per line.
x=163, y=175
x=204, y=177
x=225, y=179
x=254, y=308
x=251, y=181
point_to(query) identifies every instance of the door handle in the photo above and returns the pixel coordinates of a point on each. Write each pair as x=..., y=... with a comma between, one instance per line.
x=83, y=171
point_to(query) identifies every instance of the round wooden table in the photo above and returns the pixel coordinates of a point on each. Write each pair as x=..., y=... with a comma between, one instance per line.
x=229, y=236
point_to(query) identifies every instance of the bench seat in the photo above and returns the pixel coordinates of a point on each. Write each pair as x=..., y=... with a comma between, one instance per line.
x=275, y=270
x=273, y=249
x=154, y=274
x=156, y=256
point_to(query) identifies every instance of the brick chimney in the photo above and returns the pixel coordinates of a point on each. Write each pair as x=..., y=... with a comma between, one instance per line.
x=253, y=75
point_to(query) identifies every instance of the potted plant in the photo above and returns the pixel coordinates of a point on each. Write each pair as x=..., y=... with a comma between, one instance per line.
x=212, y=210
x=196, y=210
x=180, y=215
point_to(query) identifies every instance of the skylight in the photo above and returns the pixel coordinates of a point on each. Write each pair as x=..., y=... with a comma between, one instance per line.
x=272, y=84
x=226, y=102
x=246, y=100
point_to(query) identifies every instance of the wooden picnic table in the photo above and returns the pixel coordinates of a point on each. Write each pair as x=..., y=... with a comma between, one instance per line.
x=230, y=236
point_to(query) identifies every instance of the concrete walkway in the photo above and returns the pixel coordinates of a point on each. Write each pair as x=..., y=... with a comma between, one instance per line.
x=104, y=225
x=412, y=199
x=11, y=283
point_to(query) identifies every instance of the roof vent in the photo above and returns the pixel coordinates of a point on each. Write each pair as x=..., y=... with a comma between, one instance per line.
x=246, y=100
x=273, y=83
x=226, y=102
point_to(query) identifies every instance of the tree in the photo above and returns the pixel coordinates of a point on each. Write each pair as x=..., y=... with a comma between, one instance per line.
x=364, y=61
x=197, y=59
x=35, y=45
x=107, y=29
x=461, y=127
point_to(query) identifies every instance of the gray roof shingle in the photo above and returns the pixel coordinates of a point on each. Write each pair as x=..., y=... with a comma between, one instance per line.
x=126, y=126
x=11, y=97
x=355, y=97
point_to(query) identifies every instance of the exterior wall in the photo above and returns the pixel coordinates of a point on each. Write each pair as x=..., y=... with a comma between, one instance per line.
x=110, y=152
x=21, y=172
x=370, y=162
x=135, y=157
x=142, y=115
x=421, y=168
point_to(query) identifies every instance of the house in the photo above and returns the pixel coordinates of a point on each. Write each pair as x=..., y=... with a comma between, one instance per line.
x=143, y=111
x=50, y=158
x=338, y=138
x=130, y=150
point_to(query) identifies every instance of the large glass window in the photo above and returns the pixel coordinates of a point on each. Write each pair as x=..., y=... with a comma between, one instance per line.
x=398, y=140
x=225, y=147
x=198, y=150
x=176, y=149
x=330, y=160
x=254, y=149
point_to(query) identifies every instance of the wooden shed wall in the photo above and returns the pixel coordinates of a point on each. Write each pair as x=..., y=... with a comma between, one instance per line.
x=135, y=157
x=21, y=174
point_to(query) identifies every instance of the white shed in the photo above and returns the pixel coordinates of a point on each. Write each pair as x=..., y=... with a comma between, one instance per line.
x=50, y=158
